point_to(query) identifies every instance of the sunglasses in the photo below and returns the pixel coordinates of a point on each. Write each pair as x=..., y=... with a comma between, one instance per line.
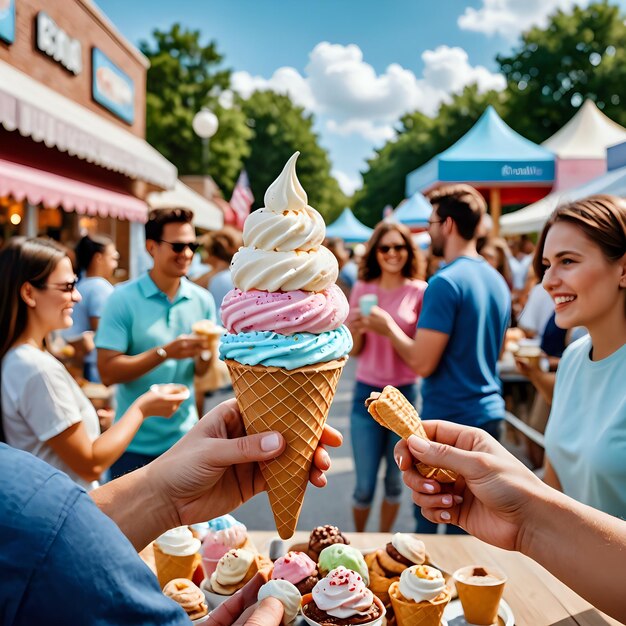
x=65, y=287
x=181, y=246
x=396, y=248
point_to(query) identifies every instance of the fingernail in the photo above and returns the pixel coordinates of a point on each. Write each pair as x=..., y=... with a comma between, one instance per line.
x=270, y=442
x=458, y=499
x=325, y=458
x=447, y=499
x=445, y=516
x=429, y=487
x=418, y=444
x=399, y=460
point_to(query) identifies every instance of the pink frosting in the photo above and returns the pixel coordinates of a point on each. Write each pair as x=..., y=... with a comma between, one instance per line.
x=294, y=567
x=286, y=312
x=217, y=543
x=213, y=549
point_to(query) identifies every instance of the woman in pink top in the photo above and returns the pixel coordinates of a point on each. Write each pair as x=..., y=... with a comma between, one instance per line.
x=391, y=270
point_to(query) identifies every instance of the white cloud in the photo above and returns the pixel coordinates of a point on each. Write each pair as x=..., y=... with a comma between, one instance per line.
x=365, y=128
x=349, y=184
x=509, y=18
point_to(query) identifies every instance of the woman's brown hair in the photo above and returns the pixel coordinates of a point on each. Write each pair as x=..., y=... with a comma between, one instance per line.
x=369, y=268
x=601, y=218
x=223, y=243
x=21, y=261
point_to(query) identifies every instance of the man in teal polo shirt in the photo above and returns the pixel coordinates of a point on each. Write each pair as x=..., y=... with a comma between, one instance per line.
x=144, y=335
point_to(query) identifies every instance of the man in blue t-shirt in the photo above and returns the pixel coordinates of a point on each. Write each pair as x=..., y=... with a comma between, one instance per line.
x=460, y=331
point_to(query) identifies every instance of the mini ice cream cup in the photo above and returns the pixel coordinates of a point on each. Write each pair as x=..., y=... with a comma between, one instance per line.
x=171, y=391
x=529, y=353
x=480, y=591
x=306, y=599
x=367, y=302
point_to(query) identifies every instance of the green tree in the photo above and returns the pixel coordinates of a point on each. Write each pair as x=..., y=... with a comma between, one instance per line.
x=580, y=54
x=184, y=76
x=279, y=129
x=419, y=139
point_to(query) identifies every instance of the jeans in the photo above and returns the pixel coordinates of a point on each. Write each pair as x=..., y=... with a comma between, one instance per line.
x=371, y=442
x=128, y=462
x=424, y=525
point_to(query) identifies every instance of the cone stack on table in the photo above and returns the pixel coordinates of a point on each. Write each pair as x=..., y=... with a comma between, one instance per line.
x=286, y=343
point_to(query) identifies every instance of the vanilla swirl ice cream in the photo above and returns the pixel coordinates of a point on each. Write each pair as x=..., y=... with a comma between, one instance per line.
x=421, y=583
x=342, y=594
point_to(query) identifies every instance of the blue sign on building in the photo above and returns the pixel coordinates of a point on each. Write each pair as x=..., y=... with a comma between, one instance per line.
x=111, y=87
x=7, y=20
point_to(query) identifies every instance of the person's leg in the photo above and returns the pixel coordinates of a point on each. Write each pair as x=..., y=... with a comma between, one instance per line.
x=367, y=451
x=128, y=462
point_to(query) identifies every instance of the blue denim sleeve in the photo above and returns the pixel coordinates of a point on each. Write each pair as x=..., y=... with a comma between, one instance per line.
x=91, y=575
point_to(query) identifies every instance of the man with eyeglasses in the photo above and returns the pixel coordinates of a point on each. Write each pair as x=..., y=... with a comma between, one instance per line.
x=144, y=336
x=466, y=311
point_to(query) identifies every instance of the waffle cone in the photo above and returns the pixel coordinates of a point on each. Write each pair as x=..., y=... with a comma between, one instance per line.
x=409, y=613
x=296, y=404
x=169, y=566
x=379, y=583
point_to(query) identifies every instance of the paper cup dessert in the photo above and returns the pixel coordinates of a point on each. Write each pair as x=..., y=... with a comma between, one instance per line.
x=480, y=591
x=386, y=564
x=343, y=599
x=233, y=571
x=419, y=597
x=176, y=555
x=298, y=569
x=171, y=391
x=530, y=353
x=189, y=597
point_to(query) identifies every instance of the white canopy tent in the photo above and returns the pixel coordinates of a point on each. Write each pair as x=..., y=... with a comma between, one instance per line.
x=532, y=218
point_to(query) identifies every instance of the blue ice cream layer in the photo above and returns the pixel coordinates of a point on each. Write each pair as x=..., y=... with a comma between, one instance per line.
x=286, y=351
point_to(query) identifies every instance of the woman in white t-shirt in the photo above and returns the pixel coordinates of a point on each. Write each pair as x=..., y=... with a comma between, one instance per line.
x=44, y=410
x=581, y=257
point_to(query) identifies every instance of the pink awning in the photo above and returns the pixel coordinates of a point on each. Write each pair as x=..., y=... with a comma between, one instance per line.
x=38, y=187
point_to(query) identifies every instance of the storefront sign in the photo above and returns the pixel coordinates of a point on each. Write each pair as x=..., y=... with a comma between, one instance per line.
x=111, y=87
x=7, y=20
x=56, y=43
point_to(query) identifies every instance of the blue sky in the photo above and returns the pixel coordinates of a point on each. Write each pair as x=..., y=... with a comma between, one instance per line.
x=358, y=65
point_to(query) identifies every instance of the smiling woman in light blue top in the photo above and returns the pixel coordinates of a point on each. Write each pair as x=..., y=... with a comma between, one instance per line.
x=581, y=256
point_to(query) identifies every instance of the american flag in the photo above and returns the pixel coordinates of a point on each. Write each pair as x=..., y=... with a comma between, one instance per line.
x=242, y=198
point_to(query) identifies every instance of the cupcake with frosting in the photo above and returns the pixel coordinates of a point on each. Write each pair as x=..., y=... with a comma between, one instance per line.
x=322, y=537
x=342, y=599
x=233, y=571
x=298, y=569
x=420, y=596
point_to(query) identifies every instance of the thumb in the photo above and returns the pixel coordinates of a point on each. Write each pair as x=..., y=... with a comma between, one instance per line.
x=447, y=457
x=269, y=612
x=259, y=447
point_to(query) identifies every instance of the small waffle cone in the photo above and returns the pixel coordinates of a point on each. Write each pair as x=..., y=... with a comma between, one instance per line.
x=379, y=583
x=169, y=566
x=296, y=404
x=393, y=411
x=409, y=613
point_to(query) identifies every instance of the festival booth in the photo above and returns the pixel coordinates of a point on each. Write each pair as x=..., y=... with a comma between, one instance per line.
x=504, y=166
x=413, y=212
x=581, y=145
x=348, y=228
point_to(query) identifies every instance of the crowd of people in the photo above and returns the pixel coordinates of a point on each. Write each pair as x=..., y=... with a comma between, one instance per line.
x=434, y=329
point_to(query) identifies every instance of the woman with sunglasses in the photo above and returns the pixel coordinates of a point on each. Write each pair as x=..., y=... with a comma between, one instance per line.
x=97, y=260
x=43, y=409
x=391, y=273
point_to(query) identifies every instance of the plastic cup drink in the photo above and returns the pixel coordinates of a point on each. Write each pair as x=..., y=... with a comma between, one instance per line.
x=367, y=302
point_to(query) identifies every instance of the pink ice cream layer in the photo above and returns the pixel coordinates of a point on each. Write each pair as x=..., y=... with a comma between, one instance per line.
x=294, y=567
x=217, y=543
x=285, y=312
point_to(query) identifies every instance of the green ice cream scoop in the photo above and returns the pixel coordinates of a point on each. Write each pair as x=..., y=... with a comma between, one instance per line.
x=340, y=554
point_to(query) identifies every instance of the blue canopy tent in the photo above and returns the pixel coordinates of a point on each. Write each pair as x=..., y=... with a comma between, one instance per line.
x=493, y=158
x=414, y=212
x=348, y=228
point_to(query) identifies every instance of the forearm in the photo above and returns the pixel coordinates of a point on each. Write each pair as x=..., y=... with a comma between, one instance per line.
x=592, y=560
x=111, y=444
x=136, y=507
x=125, y=368
x=544, y=383
x=358, y=341
x=405, y=348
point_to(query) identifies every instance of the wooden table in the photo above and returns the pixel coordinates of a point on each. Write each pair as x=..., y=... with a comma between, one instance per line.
x=534, y=595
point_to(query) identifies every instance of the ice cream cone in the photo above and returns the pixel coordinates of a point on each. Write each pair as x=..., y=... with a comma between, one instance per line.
x=296, y=404
x=409, y=613
x=379, y=583
x=169, y=566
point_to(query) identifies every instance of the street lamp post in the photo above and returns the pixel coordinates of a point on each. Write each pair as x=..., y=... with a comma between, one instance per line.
x=205, y=125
